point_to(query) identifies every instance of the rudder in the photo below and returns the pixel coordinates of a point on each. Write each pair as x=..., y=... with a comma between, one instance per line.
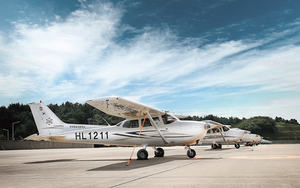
x=46, y=121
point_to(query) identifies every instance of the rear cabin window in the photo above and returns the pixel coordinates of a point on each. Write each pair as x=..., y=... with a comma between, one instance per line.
x=119, y=124
x=131, y=124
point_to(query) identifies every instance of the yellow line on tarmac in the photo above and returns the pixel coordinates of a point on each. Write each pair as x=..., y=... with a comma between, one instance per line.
x=267, y=157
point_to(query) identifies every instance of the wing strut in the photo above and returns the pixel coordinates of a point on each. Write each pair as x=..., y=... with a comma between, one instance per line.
x=222, y=134
x=159, y=132
x=136, y=142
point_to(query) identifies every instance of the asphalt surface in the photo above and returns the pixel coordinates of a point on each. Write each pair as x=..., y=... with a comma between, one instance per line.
x=259, y=166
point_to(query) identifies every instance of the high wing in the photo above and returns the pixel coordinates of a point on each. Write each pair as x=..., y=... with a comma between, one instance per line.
x=120, y=107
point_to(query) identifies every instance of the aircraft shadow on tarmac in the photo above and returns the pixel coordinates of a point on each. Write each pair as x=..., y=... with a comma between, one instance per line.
x=220, y=149
x=136, y=164
x=50, y=161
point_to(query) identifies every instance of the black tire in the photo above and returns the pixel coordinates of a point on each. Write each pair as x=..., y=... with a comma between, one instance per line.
x=191, y=153
x=142, y=154
x=237, y=145
x=220, y=146
x=214, y=146
x=159, y=153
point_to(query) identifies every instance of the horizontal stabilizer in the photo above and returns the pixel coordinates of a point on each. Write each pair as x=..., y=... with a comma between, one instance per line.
x=36, y=137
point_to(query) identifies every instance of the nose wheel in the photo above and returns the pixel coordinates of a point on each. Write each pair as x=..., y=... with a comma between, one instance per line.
x=190, y=152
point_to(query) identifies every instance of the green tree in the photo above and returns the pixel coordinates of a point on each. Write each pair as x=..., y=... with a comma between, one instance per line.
x=258, y=125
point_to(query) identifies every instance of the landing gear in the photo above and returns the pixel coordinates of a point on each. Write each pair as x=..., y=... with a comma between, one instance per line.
x=142, y=154
x=213, y=146
x=190, y=152
x=216, y=146
x=159, y=152
x=237, y=145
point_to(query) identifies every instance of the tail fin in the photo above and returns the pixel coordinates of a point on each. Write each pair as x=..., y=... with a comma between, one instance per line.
x=46, y=121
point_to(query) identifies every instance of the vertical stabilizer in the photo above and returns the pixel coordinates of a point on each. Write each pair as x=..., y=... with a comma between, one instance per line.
x=46, y=121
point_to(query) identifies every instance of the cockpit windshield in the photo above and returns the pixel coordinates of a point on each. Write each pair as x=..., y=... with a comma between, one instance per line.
x=168, y=118
x=225, y=128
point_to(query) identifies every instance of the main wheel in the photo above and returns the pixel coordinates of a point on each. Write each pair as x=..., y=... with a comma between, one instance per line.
x=191, y=153
x=237, y=145
x=214, y=146
x=142, y=154
x=159, y=153
x=220, y=146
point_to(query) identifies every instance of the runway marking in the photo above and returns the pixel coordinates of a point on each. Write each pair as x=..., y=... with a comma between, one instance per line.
x=195, y=158
x=267, y=157
x=155, y=173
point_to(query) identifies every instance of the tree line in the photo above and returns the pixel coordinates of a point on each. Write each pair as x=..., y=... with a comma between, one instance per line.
x=85, y=114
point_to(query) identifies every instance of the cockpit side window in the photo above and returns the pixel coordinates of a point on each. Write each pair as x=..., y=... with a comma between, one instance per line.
x=148, y=123
x=131, y=124
x=214, y=130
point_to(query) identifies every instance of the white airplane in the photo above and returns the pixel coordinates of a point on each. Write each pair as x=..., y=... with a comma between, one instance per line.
x=249, y=139
x=223, y=135
x=257, y=140
x=263, y=141
x=252, y=139
x=144, y=126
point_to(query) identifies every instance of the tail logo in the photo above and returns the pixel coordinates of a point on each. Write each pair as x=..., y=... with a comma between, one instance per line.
x=49, y=121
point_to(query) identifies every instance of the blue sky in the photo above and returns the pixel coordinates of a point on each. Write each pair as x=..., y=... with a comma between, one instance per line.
x=227, y=58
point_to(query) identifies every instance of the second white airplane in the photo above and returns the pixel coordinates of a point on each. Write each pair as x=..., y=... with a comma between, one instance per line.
x=223, y=135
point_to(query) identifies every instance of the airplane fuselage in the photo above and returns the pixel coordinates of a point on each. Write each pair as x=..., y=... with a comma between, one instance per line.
x=250, y=137
x=177, y=133
x=231, y=135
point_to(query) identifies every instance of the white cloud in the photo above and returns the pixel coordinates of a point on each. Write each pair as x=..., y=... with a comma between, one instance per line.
x=43, y=54
x=85, y=56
